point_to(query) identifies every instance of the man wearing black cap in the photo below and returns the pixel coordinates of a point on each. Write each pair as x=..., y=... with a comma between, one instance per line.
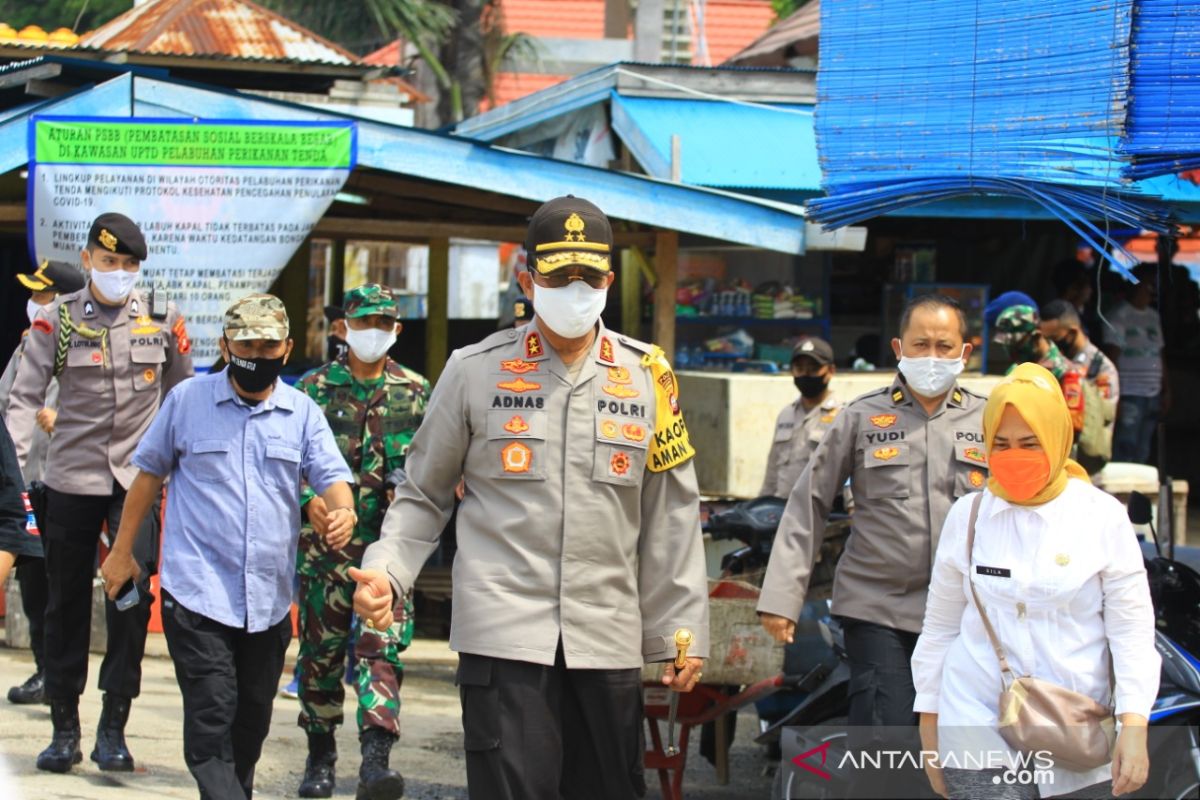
x=335, y=342
x=579, y=549
x=115, y=358
x=50, y=279
x=801, y=425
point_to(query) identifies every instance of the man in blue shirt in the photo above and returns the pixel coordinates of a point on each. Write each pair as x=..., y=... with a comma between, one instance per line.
x=237, y=446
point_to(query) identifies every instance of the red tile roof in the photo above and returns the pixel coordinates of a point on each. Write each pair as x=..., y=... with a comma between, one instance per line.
x=733, y=24
x=567, y=19
x=237, y=28
x=729, y=26
x=511, y=86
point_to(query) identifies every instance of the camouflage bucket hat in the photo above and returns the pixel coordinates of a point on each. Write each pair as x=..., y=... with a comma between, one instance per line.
x=1015, y=324
x=371, y=298
x=256, y=316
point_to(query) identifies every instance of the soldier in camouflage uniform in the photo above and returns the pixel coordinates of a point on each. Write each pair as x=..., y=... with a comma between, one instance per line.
x=1017, y=330
x=374, y=407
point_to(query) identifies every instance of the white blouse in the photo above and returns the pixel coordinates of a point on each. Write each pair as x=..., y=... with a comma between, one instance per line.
x=1064, y=585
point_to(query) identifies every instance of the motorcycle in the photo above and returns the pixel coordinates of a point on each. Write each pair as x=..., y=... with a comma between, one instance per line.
x=812, y=662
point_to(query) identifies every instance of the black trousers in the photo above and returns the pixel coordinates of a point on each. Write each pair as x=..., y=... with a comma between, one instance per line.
x=534, y=732
x=881, y=716
x=35, y=592
x=72, y=532
x=228, y=679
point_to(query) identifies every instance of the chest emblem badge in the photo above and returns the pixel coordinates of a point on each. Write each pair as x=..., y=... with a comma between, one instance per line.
x=633, y=432
x=518, y=366
x=976, y=478
x=975, y=454
x=516, y=425
x=516, y=457
x=619, y=464
x=623, y=392
x=608, y=429
x=886, y=453
x=519, y=385
x=619, y=375
x=883, y=420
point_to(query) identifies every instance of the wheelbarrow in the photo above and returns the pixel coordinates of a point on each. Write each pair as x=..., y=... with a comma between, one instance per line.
x=744, y=665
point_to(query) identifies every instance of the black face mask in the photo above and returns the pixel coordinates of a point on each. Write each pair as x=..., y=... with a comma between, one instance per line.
x=811, y=386
x=1067, y=344
x=254, y=375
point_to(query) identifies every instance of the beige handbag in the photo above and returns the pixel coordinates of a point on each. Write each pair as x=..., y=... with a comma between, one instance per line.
x=1037, y=715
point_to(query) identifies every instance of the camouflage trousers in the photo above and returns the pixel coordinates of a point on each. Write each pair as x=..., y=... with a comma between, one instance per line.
x=326, y=618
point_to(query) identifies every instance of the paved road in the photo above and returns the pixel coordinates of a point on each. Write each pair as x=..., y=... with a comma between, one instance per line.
x=430, y=754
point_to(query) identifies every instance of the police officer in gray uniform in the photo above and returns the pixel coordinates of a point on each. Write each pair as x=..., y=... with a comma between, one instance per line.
x=909, y=450
x=801, y=425
x=579, y=548
x=50, y=279
x=116, y=353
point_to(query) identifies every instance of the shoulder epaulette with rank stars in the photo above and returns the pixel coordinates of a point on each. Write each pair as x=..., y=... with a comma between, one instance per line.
x=898, y=396
x=957, y=396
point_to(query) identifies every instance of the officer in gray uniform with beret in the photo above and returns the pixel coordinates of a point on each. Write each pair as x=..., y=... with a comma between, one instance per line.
x=579, y=548
x=909, y=451
x=116, y=353
x=801, y=425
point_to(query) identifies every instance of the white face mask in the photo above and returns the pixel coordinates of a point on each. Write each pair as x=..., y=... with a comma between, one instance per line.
x=115, y=285
x=370, y=345
x=929, y=376
x=31, y=309
x=571, y=311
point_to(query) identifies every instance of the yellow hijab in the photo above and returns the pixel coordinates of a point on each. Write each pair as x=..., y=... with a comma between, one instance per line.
x=1034, y=392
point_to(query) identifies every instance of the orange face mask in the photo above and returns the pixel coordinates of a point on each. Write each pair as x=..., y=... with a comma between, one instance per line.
x=1022, y=473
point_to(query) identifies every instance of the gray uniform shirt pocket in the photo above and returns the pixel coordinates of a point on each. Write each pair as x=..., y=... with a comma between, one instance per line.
x=886, y=471
x=516, y=444
x=620, y=451
x=86, y=364
x=147, y=363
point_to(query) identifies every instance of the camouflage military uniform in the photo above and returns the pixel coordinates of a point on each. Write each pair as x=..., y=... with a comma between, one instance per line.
x=373, y=423
x=1015, y=329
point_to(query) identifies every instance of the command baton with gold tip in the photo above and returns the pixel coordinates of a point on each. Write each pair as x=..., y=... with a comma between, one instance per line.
x=683, y=640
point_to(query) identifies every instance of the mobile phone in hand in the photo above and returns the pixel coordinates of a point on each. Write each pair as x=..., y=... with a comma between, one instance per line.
x=127, y=598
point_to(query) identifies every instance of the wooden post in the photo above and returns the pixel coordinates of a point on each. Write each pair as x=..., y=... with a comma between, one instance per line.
x=437, y=304
x=631, y=295
x=335, y=286
x=666, y=268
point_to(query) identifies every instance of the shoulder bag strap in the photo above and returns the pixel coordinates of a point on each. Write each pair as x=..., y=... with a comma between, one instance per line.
x=987, y=623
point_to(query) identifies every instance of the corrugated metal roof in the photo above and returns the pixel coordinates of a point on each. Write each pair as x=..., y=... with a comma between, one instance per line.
x=799, y=31
x=713, y=141
x=237, y=28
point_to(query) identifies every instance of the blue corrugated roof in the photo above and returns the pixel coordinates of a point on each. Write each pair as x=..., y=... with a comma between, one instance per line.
x=722, y=144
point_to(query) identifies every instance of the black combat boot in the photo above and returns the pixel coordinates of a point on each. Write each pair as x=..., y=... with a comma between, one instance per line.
x=318, y=769
x=31, y=692
x=375, y=780
x=110, y=751
x=63, y=752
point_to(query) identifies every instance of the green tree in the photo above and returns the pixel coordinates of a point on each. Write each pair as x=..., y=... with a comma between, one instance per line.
x=79, y=15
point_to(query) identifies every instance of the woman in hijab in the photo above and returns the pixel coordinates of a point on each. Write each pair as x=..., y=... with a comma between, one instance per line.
x=1058, y=569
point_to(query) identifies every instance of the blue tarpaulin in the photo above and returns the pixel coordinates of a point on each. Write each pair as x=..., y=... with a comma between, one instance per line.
x=722, y=144
x=1163, y=131
x=922, y=100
